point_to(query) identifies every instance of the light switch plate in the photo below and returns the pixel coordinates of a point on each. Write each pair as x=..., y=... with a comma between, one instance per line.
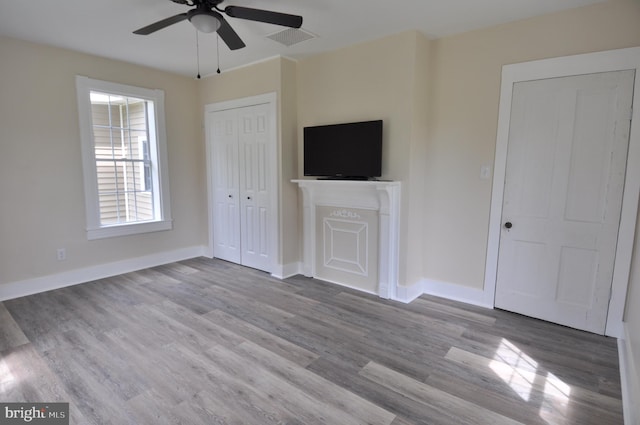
x=485, y=172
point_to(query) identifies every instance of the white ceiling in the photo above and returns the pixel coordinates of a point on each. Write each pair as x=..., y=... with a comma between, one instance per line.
x=104, y=28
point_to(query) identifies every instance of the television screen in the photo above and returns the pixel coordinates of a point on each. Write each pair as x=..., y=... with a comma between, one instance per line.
x=352, y=150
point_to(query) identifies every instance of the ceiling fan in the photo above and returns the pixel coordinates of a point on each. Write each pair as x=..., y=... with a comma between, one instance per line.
x=207, y=17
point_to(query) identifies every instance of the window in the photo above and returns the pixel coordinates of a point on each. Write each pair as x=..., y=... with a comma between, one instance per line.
x=124, y=158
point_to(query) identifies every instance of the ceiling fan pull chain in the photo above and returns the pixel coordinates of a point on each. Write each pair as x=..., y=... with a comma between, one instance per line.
x=218, y=51
x=198, y=55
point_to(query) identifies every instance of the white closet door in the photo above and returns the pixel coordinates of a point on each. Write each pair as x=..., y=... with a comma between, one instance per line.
x=562, y=198
x=226, y=196
x=241, y=143
x=254, y=144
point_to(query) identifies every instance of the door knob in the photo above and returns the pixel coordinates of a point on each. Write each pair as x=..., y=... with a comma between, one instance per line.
x=230, y=196
x=508, y=225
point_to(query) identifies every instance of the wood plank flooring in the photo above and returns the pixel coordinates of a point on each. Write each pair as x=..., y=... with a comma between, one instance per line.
x=208, y=342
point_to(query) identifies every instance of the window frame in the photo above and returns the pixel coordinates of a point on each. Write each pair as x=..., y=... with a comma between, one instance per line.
x=161, y=201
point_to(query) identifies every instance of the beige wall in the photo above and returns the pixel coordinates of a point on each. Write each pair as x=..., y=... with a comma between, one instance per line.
x=374, y=80
x=41, y=182
x=289, y=217
x=363, y=82
x=465, y=114
x=260, y=78
x=418, y=155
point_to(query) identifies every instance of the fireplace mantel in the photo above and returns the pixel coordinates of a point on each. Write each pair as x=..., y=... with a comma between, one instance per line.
x=381, y=197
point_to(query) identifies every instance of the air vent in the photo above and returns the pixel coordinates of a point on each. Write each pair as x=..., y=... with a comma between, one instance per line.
x=291, y=36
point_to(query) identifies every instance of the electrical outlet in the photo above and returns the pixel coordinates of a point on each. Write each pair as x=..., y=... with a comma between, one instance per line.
x=61, y=253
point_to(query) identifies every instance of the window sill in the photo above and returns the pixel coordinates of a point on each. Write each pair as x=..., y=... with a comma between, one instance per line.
x=128, y=229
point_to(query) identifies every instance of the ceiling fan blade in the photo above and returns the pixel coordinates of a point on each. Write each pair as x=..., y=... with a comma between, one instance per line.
x=161, y=24
x=284, y=19
x=229, y=36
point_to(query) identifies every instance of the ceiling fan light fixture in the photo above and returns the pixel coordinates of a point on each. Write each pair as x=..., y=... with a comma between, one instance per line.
x=205, y=18
x=204, y=21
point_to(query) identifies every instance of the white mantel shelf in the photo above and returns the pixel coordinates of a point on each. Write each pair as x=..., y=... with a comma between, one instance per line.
x=380, y=196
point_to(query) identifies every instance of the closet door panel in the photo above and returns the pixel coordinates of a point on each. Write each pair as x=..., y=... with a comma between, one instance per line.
x=226, y=194
x=254, y=143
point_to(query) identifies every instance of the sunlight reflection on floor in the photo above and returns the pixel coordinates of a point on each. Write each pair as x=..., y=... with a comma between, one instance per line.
x=556, y=398
x=7, y=380
x=515, y=368
x=520, y=372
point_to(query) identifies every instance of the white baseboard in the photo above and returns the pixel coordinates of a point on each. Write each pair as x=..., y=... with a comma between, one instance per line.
x=615, y=329
x=346, y=285
x=451, y=291
x=629, y=380
x=406, y=294
x=287, y=270
x=87, y=274
x=455, y=292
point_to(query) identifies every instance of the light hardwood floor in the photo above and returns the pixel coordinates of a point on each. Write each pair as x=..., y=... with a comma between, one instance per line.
x=209, y=342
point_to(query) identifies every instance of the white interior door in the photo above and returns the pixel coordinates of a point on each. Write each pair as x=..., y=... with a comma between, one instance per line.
x=254, y=143
x=226, y=196
x=566, y=160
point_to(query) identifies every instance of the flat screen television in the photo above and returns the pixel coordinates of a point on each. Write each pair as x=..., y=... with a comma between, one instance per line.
x=344, y=151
